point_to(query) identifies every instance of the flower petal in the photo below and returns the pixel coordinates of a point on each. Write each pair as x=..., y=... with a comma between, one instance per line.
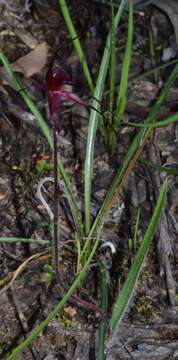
x=56, y=77
x=73, y=97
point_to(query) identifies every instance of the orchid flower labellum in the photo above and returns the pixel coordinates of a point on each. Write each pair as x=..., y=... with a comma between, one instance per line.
x=56, y=81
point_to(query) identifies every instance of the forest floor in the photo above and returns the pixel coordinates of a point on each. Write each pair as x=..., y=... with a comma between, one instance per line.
x=149, y=328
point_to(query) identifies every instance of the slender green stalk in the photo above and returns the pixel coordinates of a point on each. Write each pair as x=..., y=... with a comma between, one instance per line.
x=39, y=328
x=131, y=281
x=121, y=100
x=136, y=228
x=56, y=240
x=164, y=92
x=157, y=167
x=151, y=71
x=152, y=54
x=132, y=241
x=93, y=122
x=112, y=65
x=157, y=124
x=76, y=42
x=78, y=246
x=102, y=329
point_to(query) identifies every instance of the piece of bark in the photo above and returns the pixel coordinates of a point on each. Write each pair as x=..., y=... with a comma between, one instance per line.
x=162, y=236
x=153, y=342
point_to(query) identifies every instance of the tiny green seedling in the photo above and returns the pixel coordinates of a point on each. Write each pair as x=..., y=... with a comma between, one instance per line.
x=43, y=166
x=48, y=275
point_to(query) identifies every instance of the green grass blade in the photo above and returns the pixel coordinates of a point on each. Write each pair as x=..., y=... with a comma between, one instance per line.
x=45, y=129
x=136, y=227
x=77, y=45
x=112, y=64
x=152, y=54
x=157, y=124
x=39, y=328
x=164, y=91
x=104, y=305
x=125, y=70
x=93, y=122
x=151, y=71
x=157, y=167
x=130, y=283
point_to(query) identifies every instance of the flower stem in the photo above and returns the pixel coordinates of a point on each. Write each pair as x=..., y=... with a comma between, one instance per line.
x=55, y=249
x=56, y=243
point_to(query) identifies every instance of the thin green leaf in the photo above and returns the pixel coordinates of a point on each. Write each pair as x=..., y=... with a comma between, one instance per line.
x=76, y=42
x=157, y=124
x=136, y=229
x=131, y=281
x=157, y=167
x=164, y=91
x=93, y=122
x=104, y=305
x=151, y=71
x=112, y=64
x=125, y=70
x=152, y=54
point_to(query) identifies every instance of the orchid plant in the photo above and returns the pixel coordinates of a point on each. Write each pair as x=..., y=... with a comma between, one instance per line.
x=56, y=81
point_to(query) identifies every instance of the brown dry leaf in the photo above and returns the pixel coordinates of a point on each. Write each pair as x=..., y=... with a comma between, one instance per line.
x=28, y=65
x=33, y=62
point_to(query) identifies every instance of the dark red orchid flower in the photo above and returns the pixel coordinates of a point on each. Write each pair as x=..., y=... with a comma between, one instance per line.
x=56, y=80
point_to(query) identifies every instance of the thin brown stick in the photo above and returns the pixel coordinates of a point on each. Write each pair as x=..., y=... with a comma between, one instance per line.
x=20, y=269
